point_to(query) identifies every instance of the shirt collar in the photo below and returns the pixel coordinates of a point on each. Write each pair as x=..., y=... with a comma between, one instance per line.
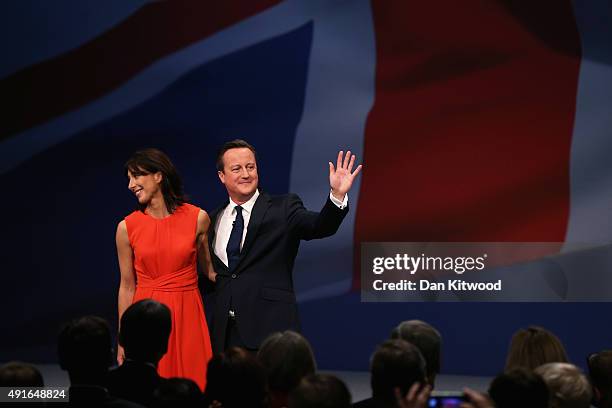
x=248, y=206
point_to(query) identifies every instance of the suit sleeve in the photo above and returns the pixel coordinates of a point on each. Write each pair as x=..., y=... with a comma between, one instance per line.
x=312, y=225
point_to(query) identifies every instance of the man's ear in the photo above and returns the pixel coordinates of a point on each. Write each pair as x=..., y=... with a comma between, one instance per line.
x=221, y=176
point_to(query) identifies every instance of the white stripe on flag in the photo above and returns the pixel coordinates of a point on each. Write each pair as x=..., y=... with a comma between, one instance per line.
x=590, y=220
x=339, y=96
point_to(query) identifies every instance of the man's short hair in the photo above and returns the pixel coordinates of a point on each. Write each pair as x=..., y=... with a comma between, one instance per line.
x=395, y=363
x=144, y=330
x=426, y=338
x=519, y=387
x=19, y=374
x=568, y=386
x=287, y=357
x=600, y=372
x=236, y=379
x=322, y=391
x=234, y=144
x=84, y=344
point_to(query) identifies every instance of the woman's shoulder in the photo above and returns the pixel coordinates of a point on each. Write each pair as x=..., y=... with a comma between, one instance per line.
x=133, y=215
x=189, y=210
x=187, y=207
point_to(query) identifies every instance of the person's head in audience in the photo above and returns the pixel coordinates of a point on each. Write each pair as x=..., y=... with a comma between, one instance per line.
x=395, y=364
x=320, y=391
x=177, y=393
x=19, y=374
x=568, y=386
x=427, y=339
x=287, y=358
x=144, y=331
x=519, y=387
x=534, y=346
x=600, y=373
x=235, y=379
x=85, y=350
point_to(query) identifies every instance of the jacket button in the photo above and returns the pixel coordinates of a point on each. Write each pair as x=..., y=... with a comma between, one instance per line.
x=233, y=276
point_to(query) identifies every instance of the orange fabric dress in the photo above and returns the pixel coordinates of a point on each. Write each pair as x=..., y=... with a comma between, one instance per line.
x=165, y=263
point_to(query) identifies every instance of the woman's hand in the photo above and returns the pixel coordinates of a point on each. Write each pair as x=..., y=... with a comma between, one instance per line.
x=120, y=355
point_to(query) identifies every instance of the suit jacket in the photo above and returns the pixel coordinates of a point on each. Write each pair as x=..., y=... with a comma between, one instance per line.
x=260, y=288
x=134, y=381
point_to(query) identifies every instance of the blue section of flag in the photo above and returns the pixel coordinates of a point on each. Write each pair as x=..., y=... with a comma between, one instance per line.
x=67, y=201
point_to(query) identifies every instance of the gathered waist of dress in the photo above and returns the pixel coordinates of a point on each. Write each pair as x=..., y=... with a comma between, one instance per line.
x=180, y=280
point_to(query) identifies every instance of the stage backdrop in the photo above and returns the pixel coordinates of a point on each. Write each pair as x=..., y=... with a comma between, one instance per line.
x=475, y=121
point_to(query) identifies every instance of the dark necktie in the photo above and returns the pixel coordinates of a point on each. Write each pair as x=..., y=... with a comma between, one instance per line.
x=233, y=245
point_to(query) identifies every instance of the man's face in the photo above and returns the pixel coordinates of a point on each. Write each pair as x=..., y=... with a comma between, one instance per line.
x=239, y=174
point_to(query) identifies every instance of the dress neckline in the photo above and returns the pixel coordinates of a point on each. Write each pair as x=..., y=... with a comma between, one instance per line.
x=176, y=210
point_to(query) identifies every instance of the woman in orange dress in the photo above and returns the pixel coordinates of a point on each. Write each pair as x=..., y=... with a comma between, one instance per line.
x=159, y=247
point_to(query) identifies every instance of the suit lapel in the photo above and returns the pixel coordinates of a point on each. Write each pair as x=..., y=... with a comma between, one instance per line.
x=213, y=232
x=259, y=211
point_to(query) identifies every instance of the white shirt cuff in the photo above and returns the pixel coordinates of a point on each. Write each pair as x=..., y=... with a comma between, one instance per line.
x=340, y=204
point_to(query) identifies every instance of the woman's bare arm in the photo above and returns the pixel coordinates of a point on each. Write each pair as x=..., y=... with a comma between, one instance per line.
x=127, y=285
x=204, y=258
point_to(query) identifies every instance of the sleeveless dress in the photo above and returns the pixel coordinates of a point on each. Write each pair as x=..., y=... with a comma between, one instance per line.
x=165, y=264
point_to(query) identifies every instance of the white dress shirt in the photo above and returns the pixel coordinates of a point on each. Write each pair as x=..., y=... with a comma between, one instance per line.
x=225, y=222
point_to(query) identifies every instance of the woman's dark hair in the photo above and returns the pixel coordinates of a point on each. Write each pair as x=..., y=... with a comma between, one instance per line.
x=534, y=346
x=149, y=161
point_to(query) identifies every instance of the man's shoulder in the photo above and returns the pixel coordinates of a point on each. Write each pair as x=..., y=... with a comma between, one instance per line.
x=281, y=198
x=280, y=202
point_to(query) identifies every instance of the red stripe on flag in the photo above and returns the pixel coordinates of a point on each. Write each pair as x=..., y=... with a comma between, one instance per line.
x=469, y=137
x=40, y=92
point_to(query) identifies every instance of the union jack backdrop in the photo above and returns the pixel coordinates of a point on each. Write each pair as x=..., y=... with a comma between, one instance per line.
x=476, y=121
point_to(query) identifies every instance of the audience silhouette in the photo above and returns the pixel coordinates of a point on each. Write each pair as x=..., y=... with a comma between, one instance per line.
x=283, y=373
x=144, y=330
x=287, y=358
x=85, y=351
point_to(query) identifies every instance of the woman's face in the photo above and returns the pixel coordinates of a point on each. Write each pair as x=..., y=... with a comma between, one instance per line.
x=144, y=186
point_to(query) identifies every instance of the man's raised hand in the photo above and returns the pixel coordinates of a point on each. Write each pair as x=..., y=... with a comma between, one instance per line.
x=341, y=177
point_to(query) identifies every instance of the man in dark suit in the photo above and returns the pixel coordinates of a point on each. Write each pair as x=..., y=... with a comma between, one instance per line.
x=144, y=332
x=254, y=239
x=397, y=377
x=85, y=350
